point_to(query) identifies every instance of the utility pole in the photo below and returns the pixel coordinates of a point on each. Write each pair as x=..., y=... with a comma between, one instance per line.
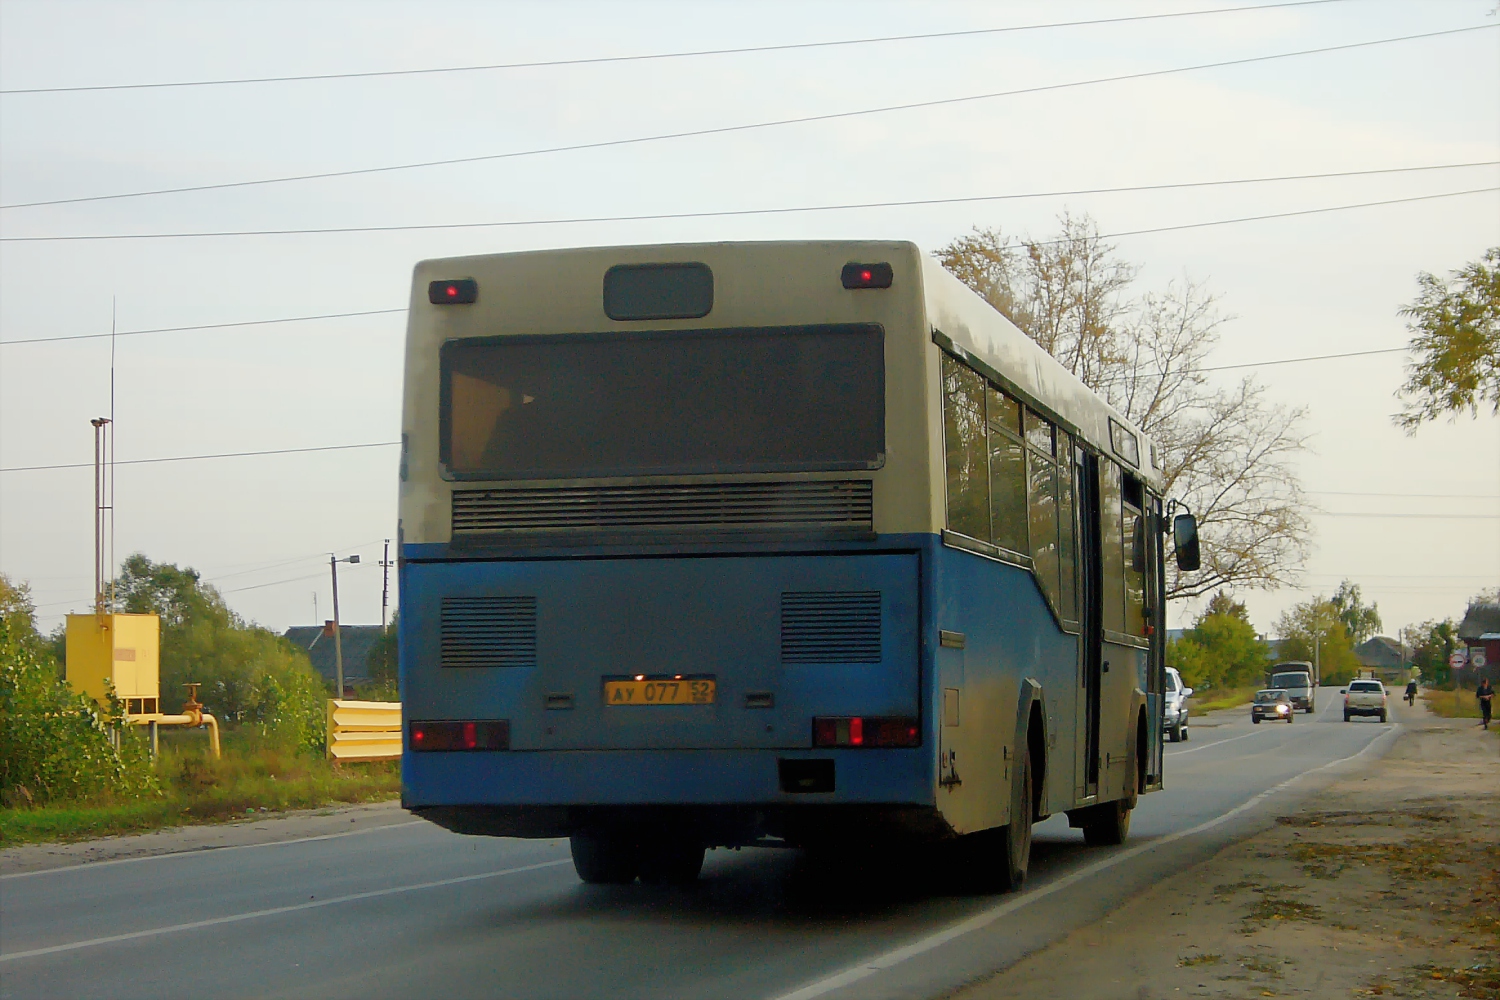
x=338, y=639
x=385, y=582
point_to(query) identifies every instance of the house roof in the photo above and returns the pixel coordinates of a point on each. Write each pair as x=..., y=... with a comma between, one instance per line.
x=1482, y=617
x=1379, y=651
x=357, y=641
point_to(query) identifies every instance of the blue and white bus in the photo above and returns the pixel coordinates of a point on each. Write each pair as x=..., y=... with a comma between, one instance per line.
x=732, y=543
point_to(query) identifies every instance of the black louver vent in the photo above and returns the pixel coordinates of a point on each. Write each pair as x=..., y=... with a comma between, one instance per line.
x=489, y=632
x=830, y=626
x=590, y=510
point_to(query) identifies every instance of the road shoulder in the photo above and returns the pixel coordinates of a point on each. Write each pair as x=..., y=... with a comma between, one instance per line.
x=1387, y=883
x=283, y=827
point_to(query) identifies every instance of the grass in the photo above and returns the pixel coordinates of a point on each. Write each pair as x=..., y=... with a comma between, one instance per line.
x=248, y=779
x=1223, y=698
x=1456, y=704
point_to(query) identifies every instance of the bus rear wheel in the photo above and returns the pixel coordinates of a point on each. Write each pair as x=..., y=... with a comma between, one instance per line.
x=670, y=861
x=996, y=860
x=1108, y=824
x=605, y=857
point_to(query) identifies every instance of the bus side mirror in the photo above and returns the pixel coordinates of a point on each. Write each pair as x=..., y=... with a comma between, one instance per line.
x=1185, y=541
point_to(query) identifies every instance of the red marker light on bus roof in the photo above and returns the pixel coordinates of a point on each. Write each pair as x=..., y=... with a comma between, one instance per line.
x=866, y=276
x=459, y=291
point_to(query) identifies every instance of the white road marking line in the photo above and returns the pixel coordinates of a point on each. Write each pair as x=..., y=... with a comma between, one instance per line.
x=200, y=851
x=273, y=911
x=983, y=919
x=1210, y=746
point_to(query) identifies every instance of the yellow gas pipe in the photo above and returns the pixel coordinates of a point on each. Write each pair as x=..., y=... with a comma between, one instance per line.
x=192, y=716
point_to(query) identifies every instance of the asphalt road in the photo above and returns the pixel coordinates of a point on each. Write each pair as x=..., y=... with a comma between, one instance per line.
x=413, y=911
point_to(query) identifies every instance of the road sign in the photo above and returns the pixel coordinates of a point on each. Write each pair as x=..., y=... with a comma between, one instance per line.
x=1457, y=659
x=1477, y=659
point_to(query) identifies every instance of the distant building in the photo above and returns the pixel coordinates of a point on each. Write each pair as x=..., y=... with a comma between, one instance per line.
x=357, y=642
x=1383, y=656
x=1480, y=632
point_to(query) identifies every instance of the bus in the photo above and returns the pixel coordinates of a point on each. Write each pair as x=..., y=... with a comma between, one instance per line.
x=794, y=543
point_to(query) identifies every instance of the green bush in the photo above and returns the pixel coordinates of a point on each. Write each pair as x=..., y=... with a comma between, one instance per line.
x=54, y=744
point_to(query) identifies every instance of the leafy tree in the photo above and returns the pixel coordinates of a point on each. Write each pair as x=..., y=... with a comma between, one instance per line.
x=381, y=663
x=1314, y=631
x=1431, y=643
x=249, y=674
x=1228, y=453
x=1221, y=649
x=1359, y=621
x=381, y=666
x=1455, y=363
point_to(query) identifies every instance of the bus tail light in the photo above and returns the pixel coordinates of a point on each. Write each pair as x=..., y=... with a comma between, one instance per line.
x=859, y=731
x=478, y=734
x=866, y=276
x=459, y=292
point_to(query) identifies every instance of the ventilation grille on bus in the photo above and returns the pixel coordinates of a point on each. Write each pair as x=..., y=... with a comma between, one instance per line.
x=489, y=632
x=554, y=510
x=830, y=626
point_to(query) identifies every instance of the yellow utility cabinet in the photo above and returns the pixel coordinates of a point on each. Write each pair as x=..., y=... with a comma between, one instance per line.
x=125, y=649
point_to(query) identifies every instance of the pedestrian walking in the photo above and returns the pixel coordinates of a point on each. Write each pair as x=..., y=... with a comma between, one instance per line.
x=1411, y=691
x=1486, y=695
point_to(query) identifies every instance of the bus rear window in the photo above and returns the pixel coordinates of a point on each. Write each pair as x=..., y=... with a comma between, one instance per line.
x=773, y=399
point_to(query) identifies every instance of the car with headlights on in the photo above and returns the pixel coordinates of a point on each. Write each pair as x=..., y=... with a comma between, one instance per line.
x=1272, y=703
x=1366, y=697
x=1174, y=709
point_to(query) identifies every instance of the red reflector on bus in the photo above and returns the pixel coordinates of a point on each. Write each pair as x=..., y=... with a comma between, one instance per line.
x=480, y=734
x=461, y=291
x=866, y=276
x=859, y=731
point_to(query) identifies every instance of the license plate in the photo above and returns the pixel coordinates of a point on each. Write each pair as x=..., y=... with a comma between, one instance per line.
x=686, y=691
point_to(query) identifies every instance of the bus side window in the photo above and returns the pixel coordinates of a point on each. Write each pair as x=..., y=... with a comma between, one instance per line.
x=968, y=458
x=1134, y=555
x=1067, y=525
x=1111, y=545
x=1007, y=473
x=1041, y=493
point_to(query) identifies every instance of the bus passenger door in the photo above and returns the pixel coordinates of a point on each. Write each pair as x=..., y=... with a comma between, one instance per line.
x=1090, y=640
x=1156, y=602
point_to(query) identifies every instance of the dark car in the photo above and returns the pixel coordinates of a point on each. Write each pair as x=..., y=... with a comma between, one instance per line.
x=1272, y=703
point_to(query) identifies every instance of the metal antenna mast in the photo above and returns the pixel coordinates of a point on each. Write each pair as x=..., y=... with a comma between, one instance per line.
x=112, y=312
x=385, y=582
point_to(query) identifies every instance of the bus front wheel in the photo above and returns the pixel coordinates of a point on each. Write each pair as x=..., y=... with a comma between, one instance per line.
x=1107, y=825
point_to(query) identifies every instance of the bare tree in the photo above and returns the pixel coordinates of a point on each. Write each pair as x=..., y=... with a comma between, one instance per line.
x=1228, y=453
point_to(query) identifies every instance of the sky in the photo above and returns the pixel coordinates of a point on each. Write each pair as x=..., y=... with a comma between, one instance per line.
x=1414, y=520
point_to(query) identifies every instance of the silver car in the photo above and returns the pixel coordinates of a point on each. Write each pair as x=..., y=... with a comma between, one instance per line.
x=1174, y=707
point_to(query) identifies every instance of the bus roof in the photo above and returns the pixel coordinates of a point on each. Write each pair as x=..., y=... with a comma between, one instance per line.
x=975, y=330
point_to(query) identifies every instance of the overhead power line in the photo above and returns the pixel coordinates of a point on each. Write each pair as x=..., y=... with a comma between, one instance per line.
x=727, y=129
x=205, y=326
x=196, y=458
x=1423, y=496
x=1439, y=517
x=1102, y=236
x=725, y=213
x=1293, y=361
x=646, y=57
